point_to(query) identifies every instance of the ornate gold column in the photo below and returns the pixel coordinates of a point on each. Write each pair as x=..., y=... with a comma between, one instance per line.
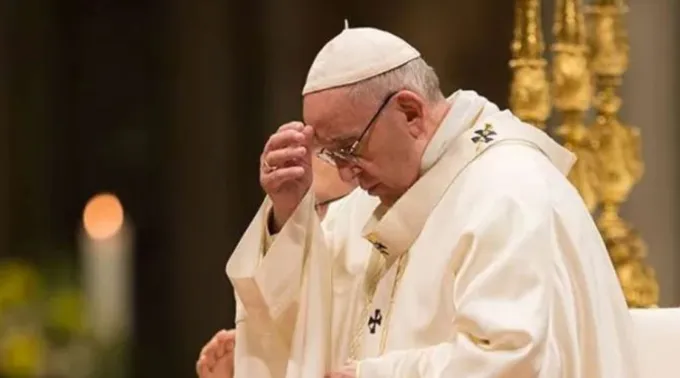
x=529, y=90
x=618, y=153
x=572, y=91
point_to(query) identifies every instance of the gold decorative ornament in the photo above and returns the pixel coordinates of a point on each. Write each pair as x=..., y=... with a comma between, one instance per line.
x=619, y=160
x=609, y=163
x=530, y=89
x=572, y=92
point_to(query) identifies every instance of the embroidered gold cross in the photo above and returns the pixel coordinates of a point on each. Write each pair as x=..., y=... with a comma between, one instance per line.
x=374, y=321
x=484, y=135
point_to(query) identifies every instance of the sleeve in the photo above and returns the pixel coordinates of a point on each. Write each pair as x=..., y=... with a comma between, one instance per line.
x=501, y=295
x=259, y=352
x=273, y=288
x=270, y=282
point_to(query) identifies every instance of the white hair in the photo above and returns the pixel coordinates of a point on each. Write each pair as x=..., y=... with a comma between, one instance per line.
x=416, y=76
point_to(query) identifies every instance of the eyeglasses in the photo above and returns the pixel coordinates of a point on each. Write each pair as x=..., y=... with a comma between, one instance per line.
x=348, y=154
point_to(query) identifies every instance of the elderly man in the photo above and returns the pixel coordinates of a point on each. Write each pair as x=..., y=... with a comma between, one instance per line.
x=466, y=253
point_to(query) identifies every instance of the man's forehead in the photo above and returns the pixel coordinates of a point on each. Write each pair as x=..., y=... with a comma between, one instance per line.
x=331, y=114
x=322, y=105
x=333, y=136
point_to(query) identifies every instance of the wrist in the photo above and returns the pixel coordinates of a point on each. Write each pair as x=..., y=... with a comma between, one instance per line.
x=277, y=219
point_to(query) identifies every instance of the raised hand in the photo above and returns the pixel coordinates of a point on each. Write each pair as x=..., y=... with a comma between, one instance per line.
x=286, y=168
x=217, y=356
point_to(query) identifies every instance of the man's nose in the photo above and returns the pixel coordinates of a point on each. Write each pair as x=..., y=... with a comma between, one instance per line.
x=348, y=172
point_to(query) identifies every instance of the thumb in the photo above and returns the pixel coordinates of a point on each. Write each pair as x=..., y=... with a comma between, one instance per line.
x=308, y=132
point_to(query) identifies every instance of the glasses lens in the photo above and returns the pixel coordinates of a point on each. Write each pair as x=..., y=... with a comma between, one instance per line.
x=336, y=158
x=326, y=156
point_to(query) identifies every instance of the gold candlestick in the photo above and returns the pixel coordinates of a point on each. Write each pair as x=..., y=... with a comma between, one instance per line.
x=618, y=153
x=572, y=91
x=529, y=90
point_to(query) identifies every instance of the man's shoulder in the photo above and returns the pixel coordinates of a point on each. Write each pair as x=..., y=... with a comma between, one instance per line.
x=510, y=171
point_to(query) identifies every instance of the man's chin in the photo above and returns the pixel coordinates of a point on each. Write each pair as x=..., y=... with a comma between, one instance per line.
x=387, y=200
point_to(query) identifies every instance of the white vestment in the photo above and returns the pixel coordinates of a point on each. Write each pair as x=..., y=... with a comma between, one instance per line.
x=488, y=266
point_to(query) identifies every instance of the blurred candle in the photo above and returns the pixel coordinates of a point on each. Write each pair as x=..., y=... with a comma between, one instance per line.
x=106, y=243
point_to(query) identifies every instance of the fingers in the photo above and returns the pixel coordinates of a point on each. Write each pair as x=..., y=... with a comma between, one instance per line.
x=230, y=340
x=206, y=360
x=291, y=141
x=285, y=156
x=208, y=353
x=203, y=367
x=308, y=132
x=292, y=126
x=224, y=341
x=225, y=336
x=285, y=138
x=276, y=178
x=221, y=344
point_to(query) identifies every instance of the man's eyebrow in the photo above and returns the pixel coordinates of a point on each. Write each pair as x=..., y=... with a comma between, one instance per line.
x=343, y=140
x=334, y=142
x=319, y=141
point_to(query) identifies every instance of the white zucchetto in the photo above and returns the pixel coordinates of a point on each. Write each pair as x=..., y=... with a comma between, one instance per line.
x=357, y=54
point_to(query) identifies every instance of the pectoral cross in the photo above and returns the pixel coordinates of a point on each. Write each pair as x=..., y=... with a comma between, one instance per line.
x=375, y=320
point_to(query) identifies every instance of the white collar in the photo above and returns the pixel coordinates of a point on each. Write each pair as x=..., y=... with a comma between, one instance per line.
x=466, y=106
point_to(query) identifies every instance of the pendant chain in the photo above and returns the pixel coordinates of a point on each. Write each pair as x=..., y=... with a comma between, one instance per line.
x=376, y=269
x=401, y=265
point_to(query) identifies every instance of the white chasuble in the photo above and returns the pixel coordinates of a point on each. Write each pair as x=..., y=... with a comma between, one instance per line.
x=489, y=266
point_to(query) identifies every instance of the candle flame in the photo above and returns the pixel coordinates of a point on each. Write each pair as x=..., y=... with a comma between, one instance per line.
x=103, y=216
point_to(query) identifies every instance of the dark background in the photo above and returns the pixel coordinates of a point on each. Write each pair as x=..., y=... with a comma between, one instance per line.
x=167, y=104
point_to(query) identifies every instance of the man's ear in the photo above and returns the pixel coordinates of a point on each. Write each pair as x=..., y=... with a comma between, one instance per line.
x=413, y=108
